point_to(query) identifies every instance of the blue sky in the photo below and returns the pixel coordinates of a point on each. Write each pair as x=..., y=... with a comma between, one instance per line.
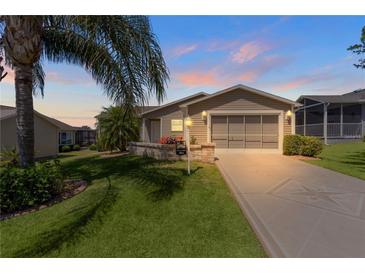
x=287, y=56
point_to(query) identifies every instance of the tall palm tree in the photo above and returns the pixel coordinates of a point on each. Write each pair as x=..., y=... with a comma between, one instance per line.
x=120, y=52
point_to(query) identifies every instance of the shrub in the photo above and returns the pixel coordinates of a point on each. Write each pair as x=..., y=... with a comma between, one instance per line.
x=9, y=157
x=302, y=145
x=170, y=139
x=26, y=187
x=311, y=146
x=65, y=148
x=292, y=144
x=92, y=147
x=76, y=147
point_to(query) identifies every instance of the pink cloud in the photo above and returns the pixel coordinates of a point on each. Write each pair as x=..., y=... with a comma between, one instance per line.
x=250, y=51
x=182, y=50
x=265, y=65
x=304, y=80
x=199, y=78
x=9, y=78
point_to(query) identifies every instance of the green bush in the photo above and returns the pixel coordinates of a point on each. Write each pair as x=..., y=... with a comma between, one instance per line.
x=292, y=144
x=92, y=147
x=311, y=146
x=76, y=147
x=302, y=145
x=26, y=187
x=65, y=148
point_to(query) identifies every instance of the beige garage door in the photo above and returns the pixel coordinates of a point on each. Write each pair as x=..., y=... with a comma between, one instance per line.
x=245, y=131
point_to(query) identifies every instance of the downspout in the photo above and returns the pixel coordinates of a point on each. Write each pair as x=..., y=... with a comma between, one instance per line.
x=325, y=118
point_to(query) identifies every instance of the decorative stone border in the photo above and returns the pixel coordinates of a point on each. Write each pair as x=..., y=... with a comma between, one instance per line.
x=201, y=152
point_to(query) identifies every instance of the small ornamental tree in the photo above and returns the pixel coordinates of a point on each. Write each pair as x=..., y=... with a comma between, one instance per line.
x=359, y=49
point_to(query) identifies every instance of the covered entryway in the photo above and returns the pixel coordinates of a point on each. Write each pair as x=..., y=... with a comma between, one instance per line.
x=245, y=131
x=155, y=131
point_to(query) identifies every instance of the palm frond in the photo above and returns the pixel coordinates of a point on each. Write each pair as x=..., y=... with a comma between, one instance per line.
x=120, y=52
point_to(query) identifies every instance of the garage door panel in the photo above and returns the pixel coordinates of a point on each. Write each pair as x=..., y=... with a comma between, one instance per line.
x=253, y=131
x=236, y=131
x=270, y=131
x=220, y=131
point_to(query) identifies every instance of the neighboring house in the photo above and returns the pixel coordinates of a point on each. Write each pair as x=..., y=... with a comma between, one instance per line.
x=238, y=117
x=335, y=118
x=49, y=134
x=66, y=133
x=45, y=132
x=85, y=136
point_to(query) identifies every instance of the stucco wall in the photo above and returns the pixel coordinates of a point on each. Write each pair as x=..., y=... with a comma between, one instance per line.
x=236, y=100
x=45, y=136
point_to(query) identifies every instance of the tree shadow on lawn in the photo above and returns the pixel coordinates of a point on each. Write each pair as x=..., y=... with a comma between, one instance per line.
x=160, y=176
x=70, y=233
x=158, y=179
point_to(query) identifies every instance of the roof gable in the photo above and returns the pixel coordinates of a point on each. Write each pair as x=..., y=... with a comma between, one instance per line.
x=246, y=89
x=188, y=98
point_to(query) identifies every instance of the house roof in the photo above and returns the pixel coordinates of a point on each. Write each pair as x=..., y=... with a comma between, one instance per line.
x=246, y=88
x=8, y=112
x=356, y=96
x=176, y=102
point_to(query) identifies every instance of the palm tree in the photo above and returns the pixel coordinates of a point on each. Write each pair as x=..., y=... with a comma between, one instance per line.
x=120, y=52
x=116, y=126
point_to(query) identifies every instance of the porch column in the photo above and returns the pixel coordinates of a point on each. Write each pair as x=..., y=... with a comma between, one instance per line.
x=143, y=129
x=341, y=122
x=305, y=121
x=325, y=123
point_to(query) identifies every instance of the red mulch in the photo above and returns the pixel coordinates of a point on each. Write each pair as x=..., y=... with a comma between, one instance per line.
x=71, y=188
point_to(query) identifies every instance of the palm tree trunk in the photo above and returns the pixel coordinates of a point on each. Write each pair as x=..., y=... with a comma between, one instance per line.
x=24, y=114
x=23, y=43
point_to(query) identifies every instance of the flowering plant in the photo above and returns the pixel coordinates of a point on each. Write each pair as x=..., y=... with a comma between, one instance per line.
x=170, y=139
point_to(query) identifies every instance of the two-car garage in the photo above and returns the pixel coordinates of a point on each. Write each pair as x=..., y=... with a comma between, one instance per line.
x=245, y=131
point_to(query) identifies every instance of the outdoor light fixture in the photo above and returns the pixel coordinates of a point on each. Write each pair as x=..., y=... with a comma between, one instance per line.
x=204, y=115
x=188, y=122
x=288, y=115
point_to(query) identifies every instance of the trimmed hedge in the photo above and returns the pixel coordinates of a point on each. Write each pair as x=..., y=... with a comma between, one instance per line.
x=65, y=148
x=292, y=144
x=76, y=147
x=92, y=147
x=21, y=188
x=302, y=145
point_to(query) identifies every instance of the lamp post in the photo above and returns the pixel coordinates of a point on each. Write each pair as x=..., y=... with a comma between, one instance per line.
x=188, y=124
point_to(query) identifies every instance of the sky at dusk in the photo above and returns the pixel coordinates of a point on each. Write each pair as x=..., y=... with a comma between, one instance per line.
x=287, y=56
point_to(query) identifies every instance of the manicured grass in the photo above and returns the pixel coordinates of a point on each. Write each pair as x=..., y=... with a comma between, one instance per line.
x=346, y=158
x=135, y=207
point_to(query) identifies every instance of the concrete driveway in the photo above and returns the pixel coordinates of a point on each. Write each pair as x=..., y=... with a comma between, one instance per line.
x=297, y=209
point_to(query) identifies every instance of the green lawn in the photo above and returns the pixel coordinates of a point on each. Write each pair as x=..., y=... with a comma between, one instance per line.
x=135, y=207
x=346, y=158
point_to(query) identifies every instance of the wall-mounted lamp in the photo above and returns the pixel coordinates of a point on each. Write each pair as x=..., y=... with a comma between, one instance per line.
x=204, y=115
x=288, y=115
x=188, y=122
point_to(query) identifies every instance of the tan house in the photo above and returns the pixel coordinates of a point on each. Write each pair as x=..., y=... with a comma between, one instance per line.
x=45, y=132
x=238, y=117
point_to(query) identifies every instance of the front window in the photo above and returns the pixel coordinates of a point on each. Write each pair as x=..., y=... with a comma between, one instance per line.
x=65, y=138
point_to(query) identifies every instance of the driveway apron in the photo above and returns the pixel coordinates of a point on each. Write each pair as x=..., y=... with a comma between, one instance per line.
x=297, y=209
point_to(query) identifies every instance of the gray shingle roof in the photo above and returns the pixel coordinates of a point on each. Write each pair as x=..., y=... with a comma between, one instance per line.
x=356, y=96
x=7, y=111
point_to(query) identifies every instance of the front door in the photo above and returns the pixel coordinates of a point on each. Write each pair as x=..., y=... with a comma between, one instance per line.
x=155, y=131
